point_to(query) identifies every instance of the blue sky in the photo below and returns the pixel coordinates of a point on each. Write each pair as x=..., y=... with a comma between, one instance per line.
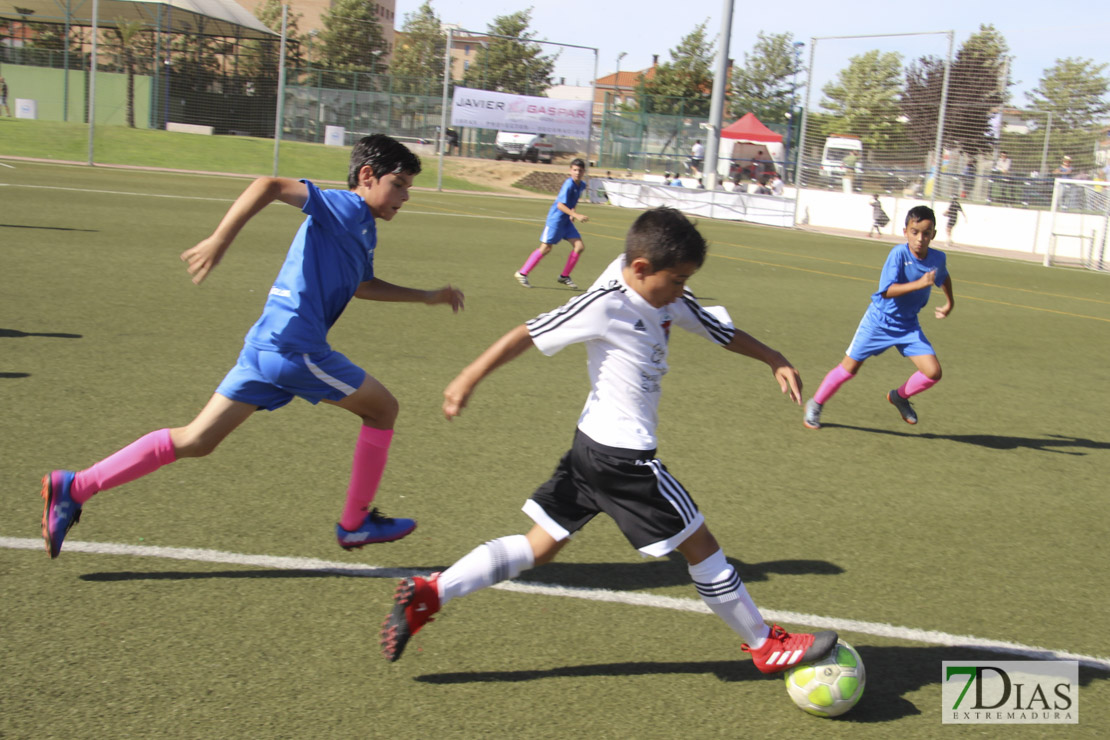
x=1038, y=33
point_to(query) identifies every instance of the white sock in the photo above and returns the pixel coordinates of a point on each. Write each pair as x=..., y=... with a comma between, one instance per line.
x=497, y=560
x=720, y=587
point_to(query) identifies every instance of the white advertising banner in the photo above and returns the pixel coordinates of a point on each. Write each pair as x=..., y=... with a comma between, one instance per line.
x=520, y=113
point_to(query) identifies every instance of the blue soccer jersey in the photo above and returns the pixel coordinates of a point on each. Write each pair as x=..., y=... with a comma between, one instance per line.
x=568, y=196
x=903, y=267
x=332, y=253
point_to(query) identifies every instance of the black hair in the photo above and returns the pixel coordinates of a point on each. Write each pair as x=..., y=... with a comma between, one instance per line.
x=384, y=155
x=665, y=238
x=577, y=162
x=921, y=213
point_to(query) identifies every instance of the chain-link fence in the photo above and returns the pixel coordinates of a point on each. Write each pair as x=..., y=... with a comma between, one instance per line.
x=335, y=82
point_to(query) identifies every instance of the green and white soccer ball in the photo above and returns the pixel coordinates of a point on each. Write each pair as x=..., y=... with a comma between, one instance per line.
x=829, y=687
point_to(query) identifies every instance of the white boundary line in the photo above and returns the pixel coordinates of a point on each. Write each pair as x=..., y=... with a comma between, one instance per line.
x=632, y=598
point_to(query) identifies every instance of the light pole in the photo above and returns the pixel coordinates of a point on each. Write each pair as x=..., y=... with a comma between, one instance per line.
x=617, y=79
x=798, y=46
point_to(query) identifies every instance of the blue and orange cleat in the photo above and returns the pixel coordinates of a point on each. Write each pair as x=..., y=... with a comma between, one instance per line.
x=59, y=512
x=375, y=528
x=903, y=405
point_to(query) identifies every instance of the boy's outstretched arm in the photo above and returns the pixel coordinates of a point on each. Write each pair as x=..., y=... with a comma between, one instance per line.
x=458, y=391
x=789, y=380
x=380, y=290
x=259, y=194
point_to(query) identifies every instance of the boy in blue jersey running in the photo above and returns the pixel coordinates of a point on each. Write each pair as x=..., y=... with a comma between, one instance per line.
x=909, y=274
x=286, y=353
x=559, y=226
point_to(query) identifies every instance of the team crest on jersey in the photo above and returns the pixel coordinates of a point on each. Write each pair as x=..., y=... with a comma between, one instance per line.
x=667, y=329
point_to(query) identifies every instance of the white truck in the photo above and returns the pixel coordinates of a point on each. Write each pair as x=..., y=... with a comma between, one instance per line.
x=839, y=148
x=518, y=146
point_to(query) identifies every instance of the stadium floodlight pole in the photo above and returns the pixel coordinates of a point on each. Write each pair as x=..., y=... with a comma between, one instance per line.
x=443, y=108
x=280, y=115
x=717, y=102
x=939, y=144
x=92, y=75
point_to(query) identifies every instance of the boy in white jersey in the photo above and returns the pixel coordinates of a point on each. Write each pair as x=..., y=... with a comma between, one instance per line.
x=624, y=319
x=286, y=353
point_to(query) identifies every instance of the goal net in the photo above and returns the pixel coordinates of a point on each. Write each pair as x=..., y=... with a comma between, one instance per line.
x=1080, y=214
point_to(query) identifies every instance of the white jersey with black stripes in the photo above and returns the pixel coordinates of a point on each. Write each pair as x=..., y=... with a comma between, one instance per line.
x=626, y=342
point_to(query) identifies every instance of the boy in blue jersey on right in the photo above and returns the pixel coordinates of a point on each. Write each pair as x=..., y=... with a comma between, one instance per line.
x=909, y=274
x=286, y=353
x=559, y=226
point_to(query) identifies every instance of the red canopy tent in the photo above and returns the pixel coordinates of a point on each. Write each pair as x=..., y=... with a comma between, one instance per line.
x=748, y=149
x=750, y=128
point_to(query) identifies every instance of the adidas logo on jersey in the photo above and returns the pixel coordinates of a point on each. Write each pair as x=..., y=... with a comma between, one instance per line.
x=639, y=325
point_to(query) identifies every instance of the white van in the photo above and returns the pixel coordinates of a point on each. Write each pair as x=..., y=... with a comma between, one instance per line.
x=837, y=148
x=533, y=147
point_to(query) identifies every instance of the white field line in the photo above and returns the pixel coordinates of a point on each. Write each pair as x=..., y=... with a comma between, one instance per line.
x=632, y=598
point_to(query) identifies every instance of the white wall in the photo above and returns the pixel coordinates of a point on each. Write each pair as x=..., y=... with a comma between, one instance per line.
x=988, y=227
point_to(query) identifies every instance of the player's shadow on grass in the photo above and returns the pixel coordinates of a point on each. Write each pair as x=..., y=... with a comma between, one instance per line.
x=669, y=571
x=16, y=333
x=15, y=375
x=46, y=228
x=892, y=672
x=995, y=441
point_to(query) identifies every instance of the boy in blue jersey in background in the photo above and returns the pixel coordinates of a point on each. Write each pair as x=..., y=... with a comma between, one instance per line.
x=286, y=353
x=909, y=274
x=559, y=226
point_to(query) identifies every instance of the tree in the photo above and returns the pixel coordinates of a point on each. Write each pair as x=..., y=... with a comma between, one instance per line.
x=765, y=85
x=418, y=61
x=684, y=85
x=1074, y=91
x=864, y=97
x=351, y=36
x=976, y=90
x=511, y=64
x=260, y=58
x=128, y=33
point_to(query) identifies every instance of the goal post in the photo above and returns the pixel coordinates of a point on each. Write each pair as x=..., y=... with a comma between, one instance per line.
x=1078, y=224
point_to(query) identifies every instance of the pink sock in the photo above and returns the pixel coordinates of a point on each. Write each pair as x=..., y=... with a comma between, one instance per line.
x=143, y=456
x=371, y=453
x=835, y=378
x=917, y=382
x=572, y=260
x=532, y=261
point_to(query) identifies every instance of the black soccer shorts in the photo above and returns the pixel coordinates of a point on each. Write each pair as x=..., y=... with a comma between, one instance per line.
x=651, y=508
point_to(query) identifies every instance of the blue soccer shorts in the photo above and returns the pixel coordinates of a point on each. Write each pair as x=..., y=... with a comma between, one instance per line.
x=555, y=233
x=873, y=338
x=650, y=507
x=270, y=379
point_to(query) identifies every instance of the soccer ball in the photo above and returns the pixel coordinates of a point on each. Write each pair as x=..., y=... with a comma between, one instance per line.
x=829, y=687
